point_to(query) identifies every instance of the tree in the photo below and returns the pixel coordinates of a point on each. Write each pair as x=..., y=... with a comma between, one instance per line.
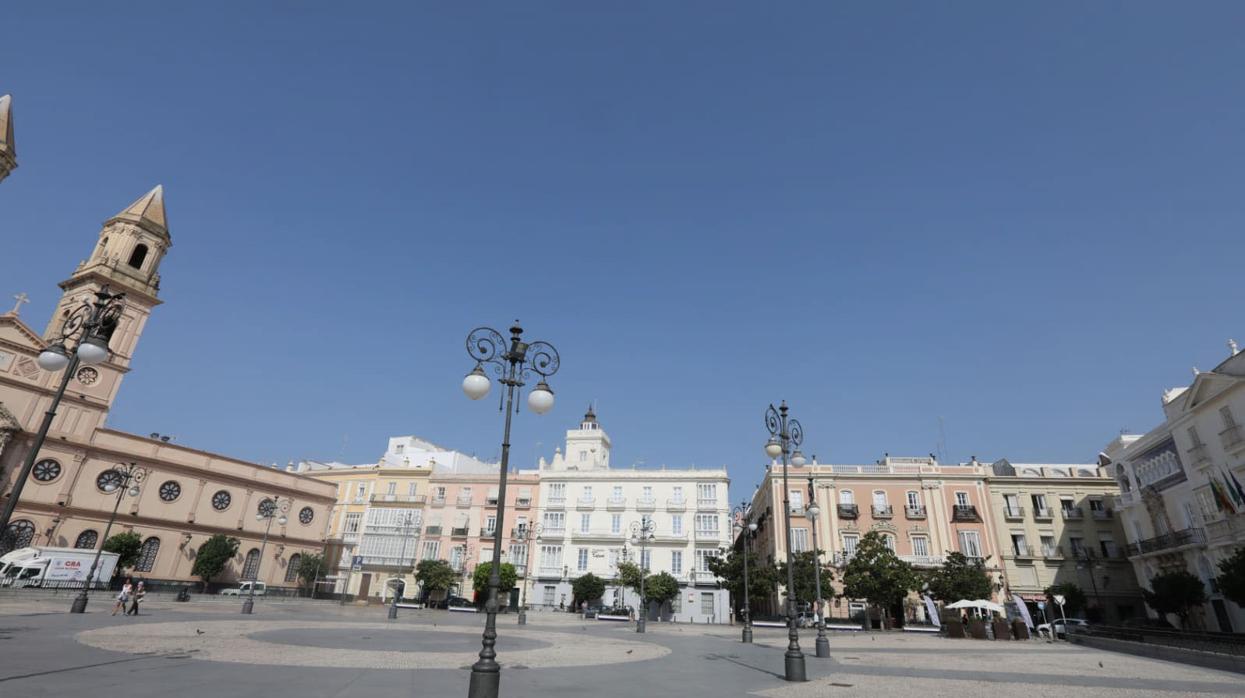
x=660, y=588
x=805, y=577
x=213, y=556
x=435, y=575
x=310, y=568
x=762, y=576
x=1175, y=592
x=479, y=578
x=629, y=575
x=128, y=546
x=877, y=575
x=1073, y=598
x=1232, y=581
x=587, y=588
x=960, y=578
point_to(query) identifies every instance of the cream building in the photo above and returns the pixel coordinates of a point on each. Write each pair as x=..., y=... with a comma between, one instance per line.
x=8, y=149
x=587, y=509
x=1182, y=486
x=187, y=495
x=1057, y=524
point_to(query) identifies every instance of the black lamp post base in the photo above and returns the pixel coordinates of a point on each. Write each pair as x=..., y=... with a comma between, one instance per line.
x=747, y=633
x=522, y=617
x=484, y=684
x=79, y=604
x=823, y=647
x=393, y=613
x=247, y=607
x=794, y=666
x=639, y=625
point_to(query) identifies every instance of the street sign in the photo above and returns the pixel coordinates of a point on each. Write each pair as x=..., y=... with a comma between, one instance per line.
x=1059, y=599
x=1041, y=605
x=356, y=563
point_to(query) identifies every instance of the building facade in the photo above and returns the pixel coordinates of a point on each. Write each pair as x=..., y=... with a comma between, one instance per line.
x=588, y=511
x=1057, y=524
x=1182, y=486
x=8, y=149
x=186, y=495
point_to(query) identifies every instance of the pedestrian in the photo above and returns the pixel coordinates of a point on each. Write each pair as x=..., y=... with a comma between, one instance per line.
x=583, y=609
x=123, y=597
x=139, y=593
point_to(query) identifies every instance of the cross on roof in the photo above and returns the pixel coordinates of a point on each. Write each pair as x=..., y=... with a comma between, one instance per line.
x=20, y=298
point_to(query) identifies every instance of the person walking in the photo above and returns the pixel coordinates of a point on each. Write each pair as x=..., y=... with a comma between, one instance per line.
x=139, y=592
x=123, y=597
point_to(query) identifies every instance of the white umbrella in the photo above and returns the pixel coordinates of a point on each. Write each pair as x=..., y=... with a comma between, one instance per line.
x=979, y=603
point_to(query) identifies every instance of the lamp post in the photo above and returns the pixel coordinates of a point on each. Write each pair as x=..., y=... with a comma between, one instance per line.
x=271, y=508
x=784, y=434
x=813, y=511
x=642, y=534
x=513, y=364
x=401, y=583
x=527, y=534
x=89, y=327
x=748, y=529
x=117, y=480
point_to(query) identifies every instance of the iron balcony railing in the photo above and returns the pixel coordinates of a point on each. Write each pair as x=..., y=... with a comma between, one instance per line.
x=964, y=512
x=1022, y=552
x=1072, y=514
x=849, y=511
x=459, y=532
x=676, y=504
x=523, y=502
x=1043, y=513
x=616, y=503
x=438, y=501
x=914, y=511
x=1052, y=552
x=645, y=504
x=463, y=501
x=1101, y=514
x=883, y=511
x=433, y=530
x=404, y=498
x=1175, y=539
x=1014, y=512
x=556, y=503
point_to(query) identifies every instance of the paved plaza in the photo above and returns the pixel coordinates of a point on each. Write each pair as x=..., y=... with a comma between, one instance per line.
x=299, y=648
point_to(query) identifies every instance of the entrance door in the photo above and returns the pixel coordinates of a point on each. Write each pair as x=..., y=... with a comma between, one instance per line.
x=365, y=585
x=1221, y=615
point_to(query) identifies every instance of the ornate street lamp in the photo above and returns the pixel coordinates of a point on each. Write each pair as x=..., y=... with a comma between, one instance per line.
x=400, y=584
x=88, y=328
x=526, y=534
x=117, y=480
x=813, y=511
x=513, y=366
x=748, y=529
x=271, y=508
x=642, y=535
x=785, y=433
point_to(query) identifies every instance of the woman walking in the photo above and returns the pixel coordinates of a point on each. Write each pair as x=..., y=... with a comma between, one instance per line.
x=123, y=597
x=139, y=593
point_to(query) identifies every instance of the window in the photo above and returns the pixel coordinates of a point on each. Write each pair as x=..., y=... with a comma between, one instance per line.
x=583, y=456
x=799, y=540
x=1225, y=413
x=889, y=541
x=961, y=499
x=1039, y=504
x=18, y=535
x=587, y=495
x=464, y=494
x=410, y=489
x=548, y=595
x=1096, y=504
x=676, y=562
x=676, y=524
x=147, y=555
x=1066, y=504
x=1012, y=503
x=616, y=523
x=432, y=549
x=490, y=523
x=583, y=559
x=585, y=521
x=648, y=492
x=1020, y=546
x=305, y=515
x=914, y=498
x=614, y=552
x=251, y=566
x=1205, y=502
x=702, y=559
x=518, y=555
x=440, y=493
x=879, y=498
x=557, y=492
x=361, y=492
x=555, y=522
x=677, y=494
x=392, y=489
x=646, y=522
x=1108, y=547
x=846, y=497
x=920, y=546
x=1078, y=547
x=291, y=568
x=352, y=522
x=706, y=524
x=970, y=544
x=849, y=543
x=86, y=540
x=617, y=493
x=399, y=448
x=706, y=603
x=456, y=557
x=46, y=470
x=796, y=498
x=551, y=556
x=170, y=491
x=646, y=559
x=1048, y=546
x=138, y=256
x=221, y=500
x=706, y=491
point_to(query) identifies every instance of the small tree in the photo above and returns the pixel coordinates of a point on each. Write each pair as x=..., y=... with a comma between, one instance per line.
x=729, y=568
x=877, y=575
x=1232, y=580
x=435, y=575
x=479, y=579
x=805, y=577
x=661, y=587
x=587, y=588
x=1175, y=592
x=128, y=546
x=212, y=557
x=960, y=578
x=629, y=575
x=1073, y=598
x=310, y=568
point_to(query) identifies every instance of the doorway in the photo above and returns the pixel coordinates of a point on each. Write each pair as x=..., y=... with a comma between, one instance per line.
x=365, y=585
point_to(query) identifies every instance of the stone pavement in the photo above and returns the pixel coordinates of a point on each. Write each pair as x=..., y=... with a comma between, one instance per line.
x=299, y=648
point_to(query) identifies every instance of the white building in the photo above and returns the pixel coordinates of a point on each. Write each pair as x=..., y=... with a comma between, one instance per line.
x=1182, y=486
x=588, y=511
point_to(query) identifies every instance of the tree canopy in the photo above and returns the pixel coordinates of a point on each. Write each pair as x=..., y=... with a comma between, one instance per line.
x=876, y=574
x=311, y=567
x=213, y=556
x=661, y=587
x=435, y=575
x=1073, y=598
x=1231, y=580
x=805, y=578
x=128, y=546
x=960, y=578
x=629, y=575
x=588, y=588
x=1175, y=592
x=762, y=576
x=479, y=578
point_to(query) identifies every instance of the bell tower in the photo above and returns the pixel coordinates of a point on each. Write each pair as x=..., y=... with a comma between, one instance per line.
x=588, y=447
x=8, y=151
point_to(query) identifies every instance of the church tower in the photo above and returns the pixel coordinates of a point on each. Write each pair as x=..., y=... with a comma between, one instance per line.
x=8, y=150
x=126, y=260
x=588, y=447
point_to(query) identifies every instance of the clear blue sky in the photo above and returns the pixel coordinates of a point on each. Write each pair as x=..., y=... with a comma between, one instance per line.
x=1027, y=221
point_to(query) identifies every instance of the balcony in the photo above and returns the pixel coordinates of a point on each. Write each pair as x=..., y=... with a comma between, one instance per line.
x=923, y=560
x=556, y=503
x=549, y=572
x=438, y=501
x=1224, y=530
x=914, y=511
x=1101, y=514
x=883, y=511
x=459, y=532
x=1232, y=439
x=386, y=561
x=1043, y=514
x=1022, y=552
x=462, y=502
x=1072, y=514
x=432, y=531
x=964, y=512
x=523, y=503
x=490, y=501
x=645, y=504
x=588, y=503
x=849, y=511
x=400, y=498
x=1168, y=541
x=707, y=504
x=843, y=557
x=1052, y=553
x=553, y=532
x=676, y=504
x=616, y=504
x=487, y=532
x=1013, y=513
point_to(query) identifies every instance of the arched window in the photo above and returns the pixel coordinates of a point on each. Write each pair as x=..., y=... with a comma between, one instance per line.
x=17, y=535
x=846, y=497
x=147, y=555
x=889, y=540
x=87, y=540
x=291, y=570
x=138, y=256
x=251, y=566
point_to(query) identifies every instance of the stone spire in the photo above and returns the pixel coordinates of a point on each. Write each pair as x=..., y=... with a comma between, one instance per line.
x=8, y=148
x=147, y=212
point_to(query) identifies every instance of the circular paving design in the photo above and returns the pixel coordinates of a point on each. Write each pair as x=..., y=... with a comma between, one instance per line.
x=329, y=644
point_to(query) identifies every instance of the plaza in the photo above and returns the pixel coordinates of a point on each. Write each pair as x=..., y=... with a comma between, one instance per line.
x=306, y=648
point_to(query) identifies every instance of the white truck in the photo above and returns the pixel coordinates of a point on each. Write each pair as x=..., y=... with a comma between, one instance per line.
x=244, y=589
x=41, y=566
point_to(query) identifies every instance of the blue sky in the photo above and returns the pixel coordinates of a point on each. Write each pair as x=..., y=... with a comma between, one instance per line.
x=1023, y=220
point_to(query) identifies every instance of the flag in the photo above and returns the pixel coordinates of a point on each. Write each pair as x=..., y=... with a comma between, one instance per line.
x=1221, y=497
x=1235, y=485
x=1024, y=610
x=932, y=611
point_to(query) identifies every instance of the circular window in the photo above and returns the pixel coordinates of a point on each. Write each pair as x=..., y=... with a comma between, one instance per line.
x=305, y=515
x=170, y=491
x=46, y=470
x=87, y=375
x=109, y=481
x=266, y=507
x=221, y=500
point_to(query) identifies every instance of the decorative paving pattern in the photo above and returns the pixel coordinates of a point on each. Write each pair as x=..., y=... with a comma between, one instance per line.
x=236, y=641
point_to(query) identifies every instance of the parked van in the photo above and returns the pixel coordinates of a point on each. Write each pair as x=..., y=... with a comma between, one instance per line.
x=40, y=566
x=244, y=589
